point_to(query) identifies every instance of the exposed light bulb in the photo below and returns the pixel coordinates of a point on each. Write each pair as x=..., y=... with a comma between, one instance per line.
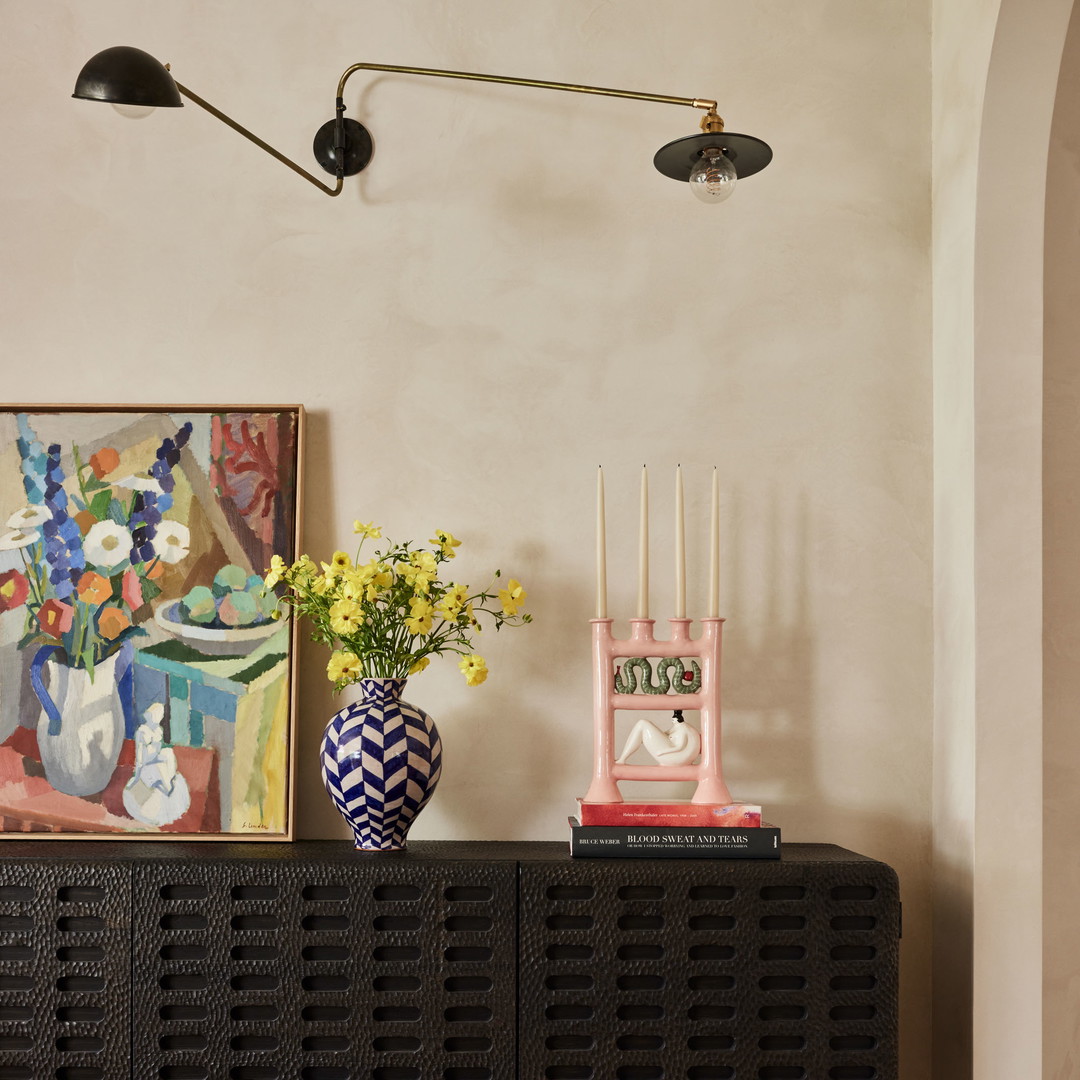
x=133, y=112
x=713, y=178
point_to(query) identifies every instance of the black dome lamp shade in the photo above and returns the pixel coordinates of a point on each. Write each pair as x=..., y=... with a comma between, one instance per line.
x=711, y=162
x=678, y=158
x=126, y=76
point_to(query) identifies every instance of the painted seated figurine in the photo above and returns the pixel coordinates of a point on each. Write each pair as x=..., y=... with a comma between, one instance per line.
x=156, y=793
x=679, y=745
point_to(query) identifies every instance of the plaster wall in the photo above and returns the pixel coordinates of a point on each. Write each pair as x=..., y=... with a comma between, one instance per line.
x=962, y=38
x=1010, y=883
x=512, y=295
x=994, y=895
x=1061, y=581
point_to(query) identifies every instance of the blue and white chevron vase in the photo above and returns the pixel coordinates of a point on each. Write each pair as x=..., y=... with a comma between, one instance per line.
x=381, y=760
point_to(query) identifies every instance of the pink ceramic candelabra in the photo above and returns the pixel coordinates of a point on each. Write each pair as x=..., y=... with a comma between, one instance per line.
x=607, y=653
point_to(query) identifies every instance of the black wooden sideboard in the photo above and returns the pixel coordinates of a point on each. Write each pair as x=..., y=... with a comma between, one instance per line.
x=452, y=961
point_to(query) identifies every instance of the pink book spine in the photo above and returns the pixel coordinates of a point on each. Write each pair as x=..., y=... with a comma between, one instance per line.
x=732, y=816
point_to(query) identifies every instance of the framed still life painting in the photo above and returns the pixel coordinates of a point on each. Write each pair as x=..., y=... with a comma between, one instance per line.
x=147, y=689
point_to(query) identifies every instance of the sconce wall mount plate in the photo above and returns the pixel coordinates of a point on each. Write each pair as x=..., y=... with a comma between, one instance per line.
x=358, y=147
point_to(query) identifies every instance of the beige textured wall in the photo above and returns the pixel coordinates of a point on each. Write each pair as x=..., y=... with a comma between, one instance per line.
x=511, y=296
x=991, y=882
x=962, y=38
x=1061, y=582
x=1009, y=316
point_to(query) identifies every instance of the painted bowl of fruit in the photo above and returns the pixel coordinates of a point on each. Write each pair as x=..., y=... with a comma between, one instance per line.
x=231, y=617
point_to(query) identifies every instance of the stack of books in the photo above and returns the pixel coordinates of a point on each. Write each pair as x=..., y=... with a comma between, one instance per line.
x=672, y=829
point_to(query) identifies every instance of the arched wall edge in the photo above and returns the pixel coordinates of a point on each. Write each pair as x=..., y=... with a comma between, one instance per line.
x=1008, y=551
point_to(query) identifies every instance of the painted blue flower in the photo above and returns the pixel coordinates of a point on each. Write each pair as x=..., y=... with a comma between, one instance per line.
x=63, y=541
x=33, y=458
x=151, y=503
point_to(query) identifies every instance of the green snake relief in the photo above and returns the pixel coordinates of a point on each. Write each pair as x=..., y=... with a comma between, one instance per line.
x=638, y=671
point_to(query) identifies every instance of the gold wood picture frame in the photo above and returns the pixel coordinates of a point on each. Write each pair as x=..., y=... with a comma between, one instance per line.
x=147, y=690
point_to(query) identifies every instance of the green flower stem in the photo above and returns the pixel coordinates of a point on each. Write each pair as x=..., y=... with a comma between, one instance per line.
x=78, y=638
x=32, y=567
x=79, y=469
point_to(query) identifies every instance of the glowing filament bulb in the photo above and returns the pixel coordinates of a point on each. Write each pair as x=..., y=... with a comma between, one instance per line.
x=713, y=178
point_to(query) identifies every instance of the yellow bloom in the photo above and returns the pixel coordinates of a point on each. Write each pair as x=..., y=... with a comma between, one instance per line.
x=353, y=583
x=340, y=562
x=424, y=560
x=325, y=582
x=346, y=617
x=371, y=531
x=446, y=542
x=420, y=619
x=419, y=665
x=380, y=582
x=512, y=597
x=278, y=570
x=419, y=624
x=343, y=665
x=304, y=567
x=449, y=607
x=419, y=572
x=474, y=668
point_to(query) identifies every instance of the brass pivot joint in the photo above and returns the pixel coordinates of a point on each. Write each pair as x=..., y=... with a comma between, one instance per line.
x=711, y=122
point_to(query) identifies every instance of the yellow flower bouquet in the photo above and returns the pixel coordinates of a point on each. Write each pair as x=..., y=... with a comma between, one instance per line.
x=386, y=617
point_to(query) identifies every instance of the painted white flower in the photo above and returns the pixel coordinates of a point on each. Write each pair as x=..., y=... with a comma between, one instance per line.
x=18, y=538
x=139, y=483
x=107, y=544
x=171, y=541
x=28, y=517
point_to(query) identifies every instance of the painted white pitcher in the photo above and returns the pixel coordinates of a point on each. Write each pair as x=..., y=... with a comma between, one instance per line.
x=81, y=726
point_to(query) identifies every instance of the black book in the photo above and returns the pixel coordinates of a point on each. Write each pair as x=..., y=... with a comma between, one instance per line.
x=672, y=842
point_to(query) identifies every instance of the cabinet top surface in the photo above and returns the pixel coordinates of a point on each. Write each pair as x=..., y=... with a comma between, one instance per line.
x=419, y=851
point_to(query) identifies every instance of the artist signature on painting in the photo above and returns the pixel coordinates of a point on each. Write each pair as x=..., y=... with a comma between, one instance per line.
x=253, y=825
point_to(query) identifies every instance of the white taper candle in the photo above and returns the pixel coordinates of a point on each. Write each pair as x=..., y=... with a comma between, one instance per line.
x=680, y=548
x=643, y=549
x=601, y=549
x=714, y=549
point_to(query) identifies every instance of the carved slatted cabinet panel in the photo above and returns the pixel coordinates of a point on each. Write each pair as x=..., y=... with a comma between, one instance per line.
x=710, y=969
x=357, y=968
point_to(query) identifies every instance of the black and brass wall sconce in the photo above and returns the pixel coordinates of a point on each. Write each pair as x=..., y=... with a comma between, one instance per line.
x=710, y=162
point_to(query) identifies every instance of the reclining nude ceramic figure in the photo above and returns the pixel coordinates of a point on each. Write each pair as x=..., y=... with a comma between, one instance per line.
x=679, y=745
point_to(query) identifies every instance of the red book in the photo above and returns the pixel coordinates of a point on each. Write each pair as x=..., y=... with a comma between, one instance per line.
x=670, y=812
